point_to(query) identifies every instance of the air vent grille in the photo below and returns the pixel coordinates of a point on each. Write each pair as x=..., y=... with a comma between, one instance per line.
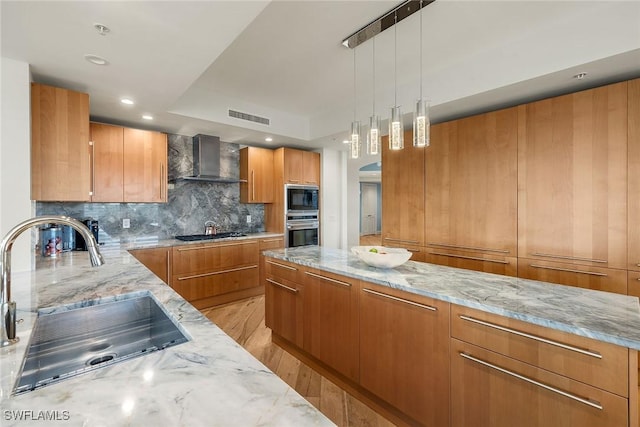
x=249, y=117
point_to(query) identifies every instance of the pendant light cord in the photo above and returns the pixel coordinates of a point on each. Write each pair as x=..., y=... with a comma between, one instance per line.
x=395, y=58
x=354, y=85
x=374, y=76
x=421, y=50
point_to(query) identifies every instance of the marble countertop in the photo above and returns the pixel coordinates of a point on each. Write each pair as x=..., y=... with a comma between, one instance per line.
x=604, y=316
x=208, y=381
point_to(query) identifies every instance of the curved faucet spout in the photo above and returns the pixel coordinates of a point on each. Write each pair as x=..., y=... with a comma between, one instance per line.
x=8, y=308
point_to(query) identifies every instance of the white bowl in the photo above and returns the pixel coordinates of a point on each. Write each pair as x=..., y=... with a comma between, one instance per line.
x=383, y=258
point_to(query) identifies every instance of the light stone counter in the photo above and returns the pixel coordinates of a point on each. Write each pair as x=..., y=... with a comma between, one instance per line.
x=208, y=381
x=603, y=316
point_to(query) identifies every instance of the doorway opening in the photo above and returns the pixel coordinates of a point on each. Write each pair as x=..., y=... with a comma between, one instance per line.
x=370, y=204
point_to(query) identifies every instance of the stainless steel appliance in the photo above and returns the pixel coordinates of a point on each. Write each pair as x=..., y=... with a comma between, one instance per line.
x=302, y=227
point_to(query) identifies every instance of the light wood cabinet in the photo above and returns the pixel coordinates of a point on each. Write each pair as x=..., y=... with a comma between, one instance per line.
x=284, y=296
x=633, y=137
x=145, y=166
x=331, y=320
x=158, y=260
x=60, y=158
x=572, y=178
x=301, y=167
x=256, y=167
x=471, y=192
x=107, y=158
x=404, y=357
x=403, y=173
x=214, y=273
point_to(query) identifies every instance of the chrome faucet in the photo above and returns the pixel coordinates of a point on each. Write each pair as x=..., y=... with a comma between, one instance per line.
x=8, y=307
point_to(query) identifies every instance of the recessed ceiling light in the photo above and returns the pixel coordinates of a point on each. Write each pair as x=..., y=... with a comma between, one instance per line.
x=95, y=59
x=147, y=117
x=268, y=139
x=102, y=29
x=345, y=141
x=126, y=101
x=580, y=76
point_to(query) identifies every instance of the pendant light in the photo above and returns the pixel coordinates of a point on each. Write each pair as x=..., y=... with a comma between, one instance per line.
x=421, y=122
x=396, y=130
x=373, y=136
x=354, y=149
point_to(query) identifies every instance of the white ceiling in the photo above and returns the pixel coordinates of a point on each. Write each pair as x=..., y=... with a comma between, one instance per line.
x=187, y=63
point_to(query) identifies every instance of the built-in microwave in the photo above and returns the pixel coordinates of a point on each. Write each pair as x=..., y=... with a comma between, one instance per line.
x=301, y=198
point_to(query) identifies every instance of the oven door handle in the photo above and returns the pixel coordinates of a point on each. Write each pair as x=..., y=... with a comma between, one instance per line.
x=302, y=225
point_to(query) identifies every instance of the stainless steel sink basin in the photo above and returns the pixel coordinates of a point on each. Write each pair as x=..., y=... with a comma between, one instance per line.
x=78, y=340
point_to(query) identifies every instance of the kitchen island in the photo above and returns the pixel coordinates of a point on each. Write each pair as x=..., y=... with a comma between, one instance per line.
x=434, y=345
x=208, y=381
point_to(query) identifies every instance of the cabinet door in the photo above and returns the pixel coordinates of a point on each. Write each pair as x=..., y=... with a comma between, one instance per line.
x=471, y=192
x=145, y=166
x=311, y=167
x=256, y=167
x=403, y=194
x=331, y=320
x=491, y=390
x=107, y=162
x=60, y=156
x=634, y=174
x=404, y=352
x=157, y=260
x=572, y=178
x=284, y=296
x=293, y=166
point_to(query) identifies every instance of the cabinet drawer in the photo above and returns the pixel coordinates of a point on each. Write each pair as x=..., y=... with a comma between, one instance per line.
x=507, y=266
x=593, y=362
x=491, y=390
x=633, y=284
x=197, y=286
x=419, y=252
x=271, y=243
x=581, y=276
x=193, y=259
x=282, y=269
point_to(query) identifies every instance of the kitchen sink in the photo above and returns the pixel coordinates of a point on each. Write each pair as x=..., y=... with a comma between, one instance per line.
x=69, y=341
x=196, y=237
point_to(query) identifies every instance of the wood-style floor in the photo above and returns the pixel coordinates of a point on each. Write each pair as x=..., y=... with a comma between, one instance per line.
x=244, y=322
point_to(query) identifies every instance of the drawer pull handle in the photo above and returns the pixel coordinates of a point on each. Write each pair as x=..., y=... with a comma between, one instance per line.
x=468, y=248
x=533, y=337
x=602, y=261
x=329, y=279
x=282, y=265
x=295, y=291
x=582, y=400
x=471, y=258
x=279, y=239
x=231, y=270
x=413, y=242
x=568, y=270
x=215, y=246
x=380, y=294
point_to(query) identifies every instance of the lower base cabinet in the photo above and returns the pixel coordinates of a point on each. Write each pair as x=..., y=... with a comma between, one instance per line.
x=158, y=260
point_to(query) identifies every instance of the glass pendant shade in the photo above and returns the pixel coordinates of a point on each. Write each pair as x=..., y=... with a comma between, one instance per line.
x=421, y=124
x=373, y=136
x=354, y=148
x=396, y=130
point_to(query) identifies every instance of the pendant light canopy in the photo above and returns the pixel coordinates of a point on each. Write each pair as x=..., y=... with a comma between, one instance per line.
x=421, y=121
x=396, y=128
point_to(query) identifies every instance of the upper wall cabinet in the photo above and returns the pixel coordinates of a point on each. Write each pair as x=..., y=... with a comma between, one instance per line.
x=145, y=166
x=301, y=167
x=403, y=196
x=60, y=157
x=256, y=168
x=572, y=178
x=633, y=137
x=471, y=192
x=107, y=163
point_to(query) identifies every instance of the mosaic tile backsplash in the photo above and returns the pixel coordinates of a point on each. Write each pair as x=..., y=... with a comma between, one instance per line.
x=189, y=204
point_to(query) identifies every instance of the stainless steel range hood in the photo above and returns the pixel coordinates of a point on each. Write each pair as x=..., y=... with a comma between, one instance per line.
x=207, y=161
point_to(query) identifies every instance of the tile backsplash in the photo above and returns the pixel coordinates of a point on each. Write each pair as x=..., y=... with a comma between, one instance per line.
x=189, y=204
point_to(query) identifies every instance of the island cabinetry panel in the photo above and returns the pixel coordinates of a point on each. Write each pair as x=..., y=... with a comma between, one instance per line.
x=256, y=167
x=489, y=389
x=275, y=242
x=213, y=273
x=403, y=197
x=404, y=352
x=331, y=320
x=582, y=276
x=471, y=193
x=633, y=137
x=158, y=260
x=60, y=155
x=284, y=296
x=107, y=158
x=145, y=166
x=572, y=178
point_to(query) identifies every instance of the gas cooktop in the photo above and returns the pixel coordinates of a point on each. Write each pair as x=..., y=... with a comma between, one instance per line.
x=196, y=237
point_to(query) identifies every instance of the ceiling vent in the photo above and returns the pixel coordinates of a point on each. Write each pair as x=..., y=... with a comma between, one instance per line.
x=249, y=117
